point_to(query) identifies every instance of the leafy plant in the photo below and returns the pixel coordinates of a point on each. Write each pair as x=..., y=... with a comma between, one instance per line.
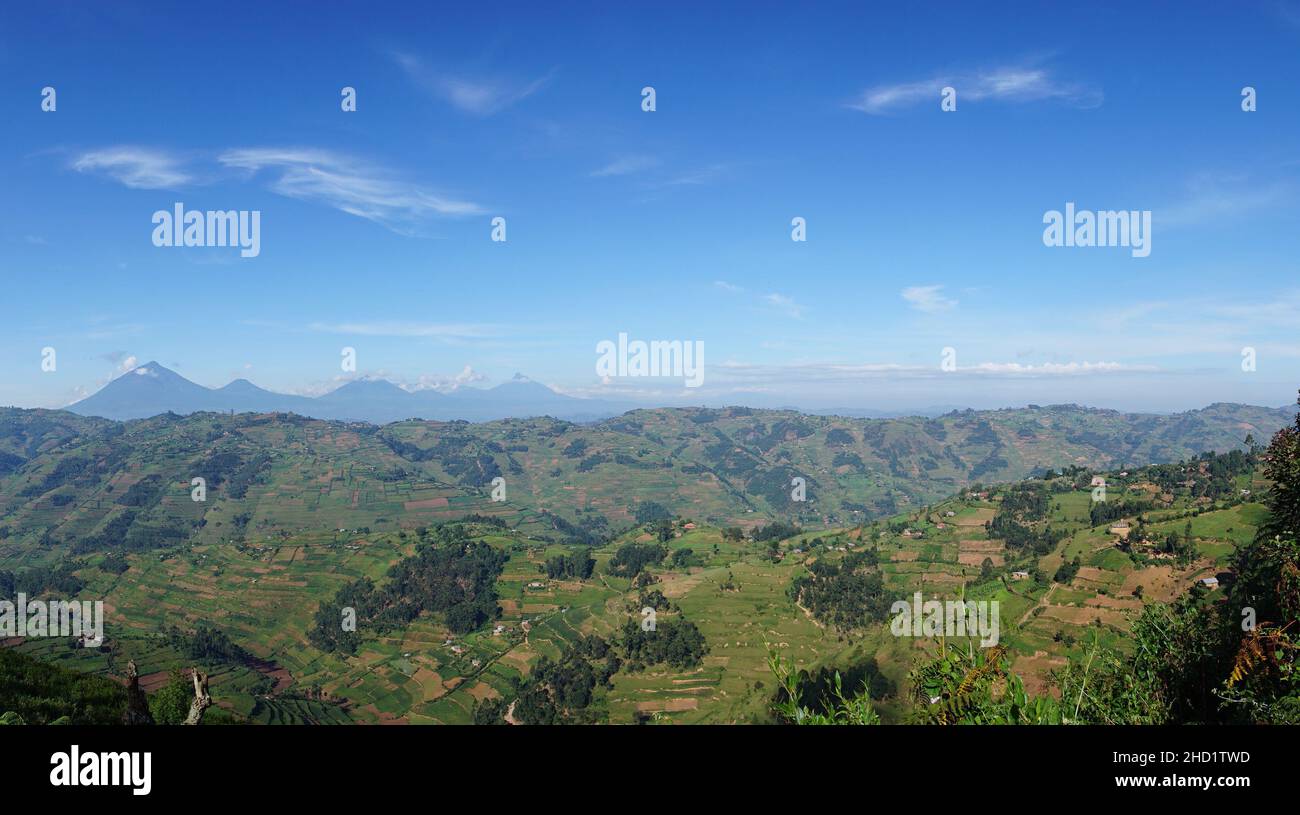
x=840, y=709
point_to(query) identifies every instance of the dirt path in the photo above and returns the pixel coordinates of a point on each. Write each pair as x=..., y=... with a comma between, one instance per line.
x=1042, y=603
x=808, y=613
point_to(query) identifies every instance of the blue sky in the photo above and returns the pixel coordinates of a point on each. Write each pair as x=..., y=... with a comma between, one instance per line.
x=924, y=228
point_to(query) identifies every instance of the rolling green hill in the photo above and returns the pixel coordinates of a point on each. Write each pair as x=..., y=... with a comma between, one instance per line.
x=745, y=596
x=71, y=485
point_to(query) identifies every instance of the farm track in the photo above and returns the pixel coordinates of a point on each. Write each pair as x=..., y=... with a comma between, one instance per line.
x=1042, y=603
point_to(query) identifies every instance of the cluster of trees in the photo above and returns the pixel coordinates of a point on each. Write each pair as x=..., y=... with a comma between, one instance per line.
x=773, y=484
x=1022, y=505
x=474, y=518
x=685, y=558
x=229, y=468
x=848, y=459
x=848, y=594
x=68, y=470
x=675, y=640
x=58, y=579
x=1103, y=512
x=465, y=459
x=36, y=692
x=632, y=558
x=777, y=530
x=1182, y=547
x=662, y=530
x=590, y=532
x=331, y=629
x=991, y=463
x=123, y=533
x=576, y=448
x=559, y=691
x=10, y=462
x=1019, y=536
x=112, y=536
x=838, y=437
x=114, y=563
x=1067, y=570
x=781, y=430
x=564, y=691
x=652, y=599
x=577, y=564
x=207, y=644
x=1028, y=501
x=637, y=464
x=143, y=493
x=647, y=512
x=1218, y=479
x=593, y=461
x=457, y=578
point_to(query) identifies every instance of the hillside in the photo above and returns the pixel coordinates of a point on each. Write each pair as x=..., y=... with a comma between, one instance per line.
x=70, y=484
x=298, y=510
x=571, y=612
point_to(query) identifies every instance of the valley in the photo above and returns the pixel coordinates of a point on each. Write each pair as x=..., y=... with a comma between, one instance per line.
x=299, y=509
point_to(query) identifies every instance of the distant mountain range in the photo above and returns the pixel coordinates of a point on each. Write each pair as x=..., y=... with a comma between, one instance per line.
x=150, y=389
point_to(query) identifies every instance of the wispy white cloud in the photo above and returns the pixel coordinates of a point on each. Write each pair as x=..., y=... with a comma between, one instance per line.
x=1056, y=368
x=929, y=299
x=347, y=184
x=697, y=176
x=1214, y=328
x=784, y=303
x=774, y=300
x=321, y=176
x=1212, y=197
x=137, y=167
x=481, y=95
x=407, y=329
x=103, y=330
x=832, y=372
x=1009, y=83
x=626, y=165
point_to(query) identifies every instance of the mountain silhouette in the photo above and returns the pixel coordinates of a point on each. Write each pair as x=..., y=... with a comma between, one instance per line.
x=150, y=389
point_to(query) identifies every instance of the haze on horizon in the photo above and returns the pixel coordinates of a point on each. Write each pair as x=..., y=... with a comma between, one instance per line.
x=522, y=397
